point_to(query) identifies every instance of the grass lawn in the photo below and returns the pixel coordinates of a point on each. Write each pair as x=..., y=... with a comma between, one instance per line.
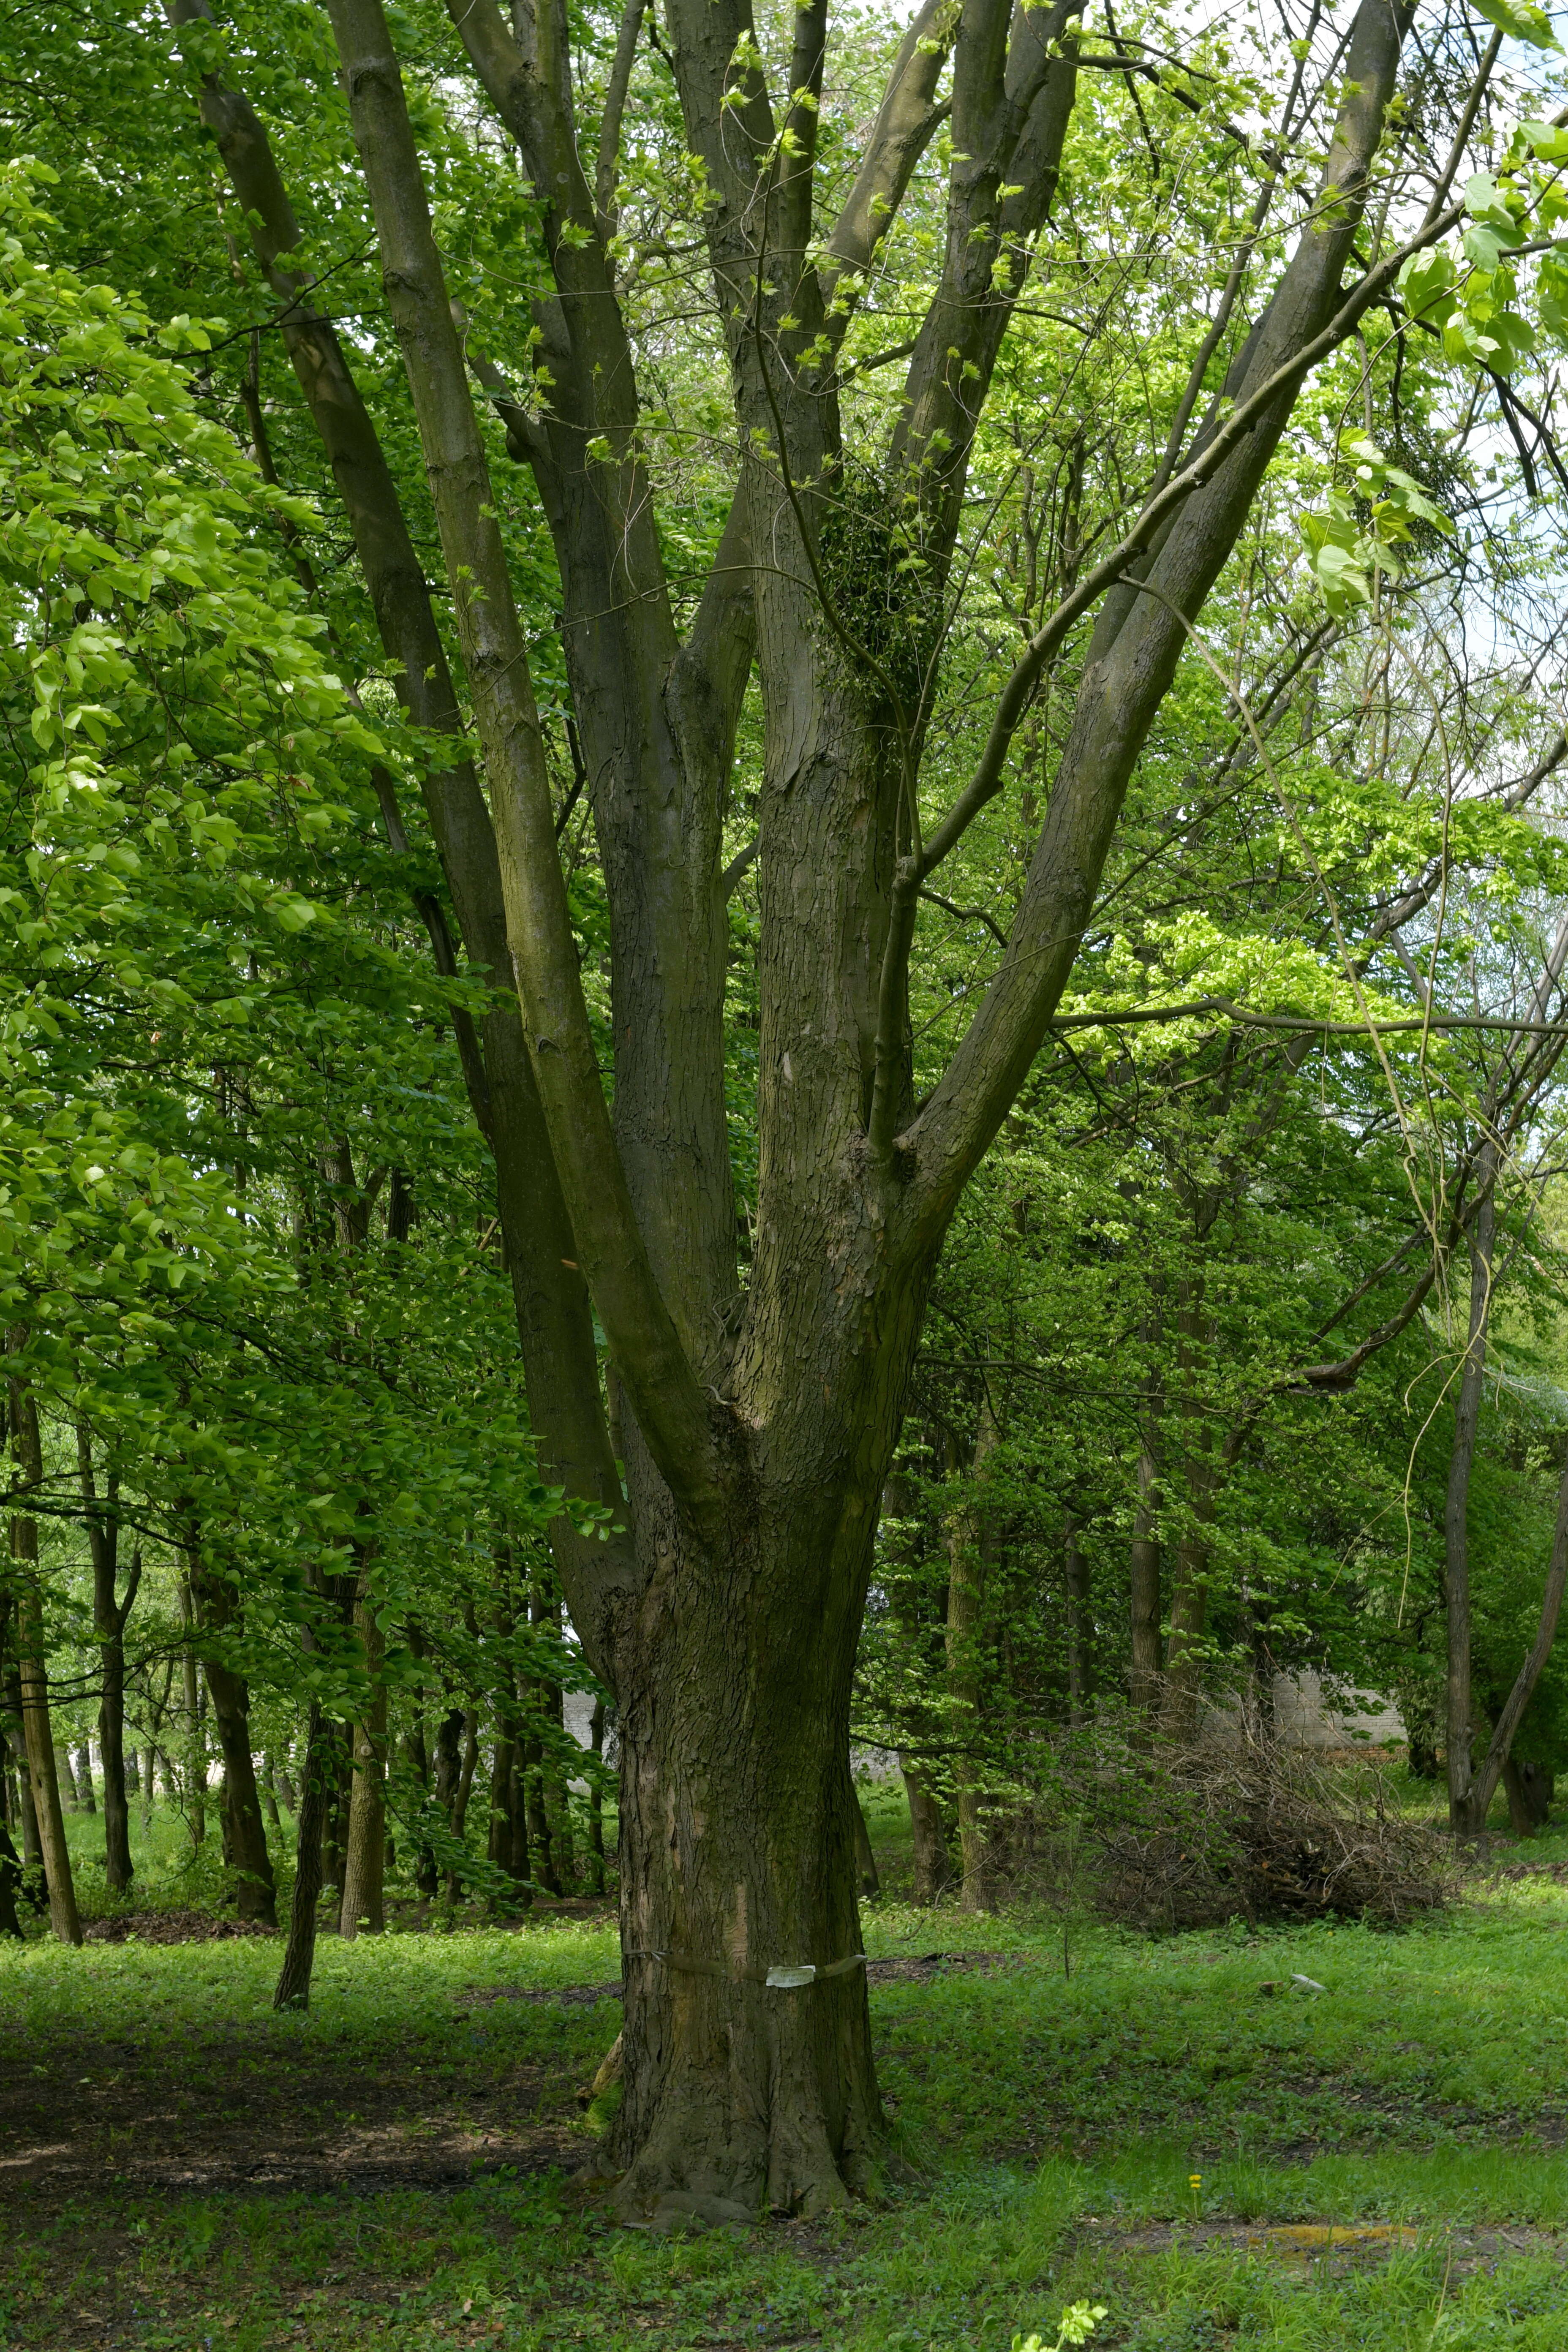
x=179, y=2168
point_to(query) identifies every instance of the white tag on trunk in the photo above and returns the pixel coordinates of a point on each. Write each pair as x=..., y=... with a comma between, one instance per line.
x=786, y=1979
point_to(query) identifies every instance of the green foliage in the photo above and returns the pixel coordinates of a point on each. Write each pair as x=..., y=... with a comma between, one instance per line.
x=888, y=602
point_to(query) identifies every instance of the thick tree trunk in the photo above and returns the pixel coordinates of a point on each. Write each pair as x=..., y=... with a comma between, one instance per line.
x=737, y=1858
x=1530, y=1789
x=363, y=1911
x=243, y=1830
x=1459, y=1710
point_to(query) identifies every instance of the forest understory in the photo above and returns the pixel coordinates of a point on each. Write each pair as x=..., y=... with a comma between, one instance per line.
x=1181, y=2128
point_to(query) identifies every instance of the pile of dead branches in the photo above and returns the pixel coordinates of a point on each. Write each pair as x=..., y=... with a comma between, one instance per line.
x=1243, y=1828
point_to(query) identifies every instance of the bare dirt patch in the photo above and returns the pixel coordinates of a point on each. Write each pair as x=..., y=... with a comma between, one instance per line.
x=258, y=2116
x=1327, y=2250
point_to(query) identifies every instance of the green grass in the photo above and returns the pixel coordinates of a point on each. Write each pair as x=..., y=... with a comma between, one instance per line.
x=1050, y=2126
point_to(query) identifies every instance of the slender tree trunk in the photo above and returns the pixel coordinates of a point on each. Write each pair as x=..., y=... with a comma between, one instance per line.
x=36, y=1730
x=541, y=1840
x=299, y=1952
x=1500, y=1747
x=1080, y=1623
x=465, y=1786
x=11, y=1874
x=1458, y=1712
x=335, y=1828
x=1146, y=1677
x=865, y=1854
x=118, y=1864
x=363, y=1911
x=270, y=1792
x=110, y=1612
x=426, y=1876
x=146, y=1791
x=1190, y=1596
x=449, y=1764
x=507, y=1844
x=933, y=1864
x=36, y=1886
x=243, y=1830
x=597, y=1802
x=968, y=1626
x=86, y=1794
x=10, y=1881
x=195, y=1774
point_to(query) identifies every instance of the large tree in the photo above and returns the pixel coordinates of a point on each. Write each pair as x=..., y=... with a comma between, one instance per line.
x=758, y=1367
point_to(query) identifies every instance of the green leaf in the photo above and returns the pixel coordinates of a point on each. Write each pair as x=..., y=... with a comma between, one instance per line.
x=1520, y=18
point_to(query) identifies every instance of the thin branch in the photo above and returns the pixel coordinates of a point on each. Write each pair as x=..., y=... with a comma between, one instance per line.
x=614, y=109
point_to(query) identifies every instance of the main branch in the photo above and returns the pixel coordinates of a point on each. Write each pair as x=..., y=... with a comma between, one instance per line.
x=669, y=1405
